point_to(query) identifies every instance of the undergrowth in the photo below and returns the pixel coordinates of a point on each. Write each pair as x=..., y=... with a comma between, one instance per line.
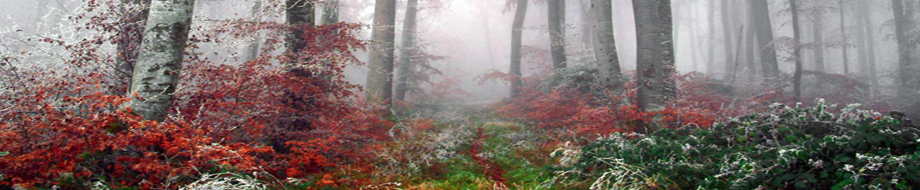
x=786, y=148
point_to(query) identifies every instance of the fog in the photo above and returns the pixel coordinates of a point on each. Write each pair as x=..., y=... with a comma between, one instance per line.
x=474, y=36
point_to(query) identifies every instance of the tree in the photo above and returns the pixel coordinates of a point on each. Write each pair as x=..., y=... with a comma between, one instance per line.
x=796, y=52
x=409, y=50
x=727, y=37
x=904, y=62
x=299, y=15
x=255, y=14
x=764, y=29
x=517, y=29
x=655, y=55
x=605, y=46
x=843, y=34
x=868, y=28
x=380, y=77
x=556, y=12
x=156, y=72
x=331, y=11
x=818, y=33
x=130, y=36
x=711, y=52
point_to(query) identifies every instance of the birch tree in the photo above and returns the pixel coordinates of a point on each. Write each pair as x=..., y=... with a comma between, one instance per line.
x=156, y=72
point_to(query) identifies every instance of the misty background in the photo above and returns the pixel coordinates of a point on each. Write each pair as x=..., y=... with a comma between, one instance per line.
x=474, y=36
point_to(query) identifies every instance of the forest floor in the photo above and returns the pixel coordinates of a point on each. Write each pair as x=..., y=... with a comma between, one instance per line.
x=467, y=147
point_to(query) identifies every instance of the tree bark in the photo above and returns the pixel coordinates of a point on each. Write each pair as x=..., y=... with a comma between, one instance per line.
x=655, y=55
x=843, y=34
x=869, y=28
x=605, y=45
x=255, y=14
x=159, y=62
x=130, y=36
x=517, y=29
x=797, y=51
x=380, y=77
x=750, y=41
x=764, y=29
x=818, y=34
x=556, y=13
x=408, y=52
x=904, y=62
x=711, y=57
x=331, y=12
x=727, y=36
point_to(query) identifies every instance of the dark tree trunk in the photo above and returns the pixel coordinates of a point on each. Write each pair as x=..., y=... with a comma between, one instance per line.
x=797, y=51
x=764, y=29
x=556, y=13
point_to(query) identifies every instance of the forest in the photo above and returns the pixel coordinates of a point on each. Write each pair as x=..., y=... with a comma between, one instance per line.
x=459, y=94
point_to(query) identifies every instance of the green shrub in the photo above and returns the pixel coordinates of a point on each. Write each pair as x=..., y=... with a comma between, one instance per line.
x=801, y=148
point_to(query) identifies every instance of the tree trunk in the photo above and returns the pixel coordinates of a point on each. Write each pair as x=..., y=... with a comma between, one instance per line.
x=156, y=73
x=797, y=51
x=904, y=62
x=711, y=57
x=255, y=14
x=299, y=14
x=331, y=12
x=818, y=34
x=556, y=12
x=380, y=77
x=655, y=55
x=517, y=29
x=130, y=36
x=870, y=45
x=727, y=36
x=750, y=46
x=605, y=45
x=587, y=23
x=843, y=34
x=764, y=28
x=408, y=52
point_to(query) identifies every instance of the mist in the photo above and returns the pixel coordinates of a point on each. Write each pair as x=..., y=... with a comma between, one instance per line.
x=459, y=94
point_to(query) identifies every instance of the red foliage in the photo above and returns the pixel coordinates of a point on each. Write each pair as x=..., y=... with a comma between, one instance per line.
x=254, y=116
x=587, y=114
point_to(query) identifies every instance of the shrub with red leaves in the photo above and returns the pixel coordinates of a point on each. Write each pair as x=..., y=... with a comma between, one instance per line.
x=62, y=127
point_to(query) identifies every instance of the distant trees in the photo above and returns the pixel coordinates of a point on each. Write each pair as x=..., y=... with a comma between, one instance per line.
x=556, y=13
x=655, y=61
x=605, y=48
x=517, y=29
x=904, y=53
x=156, y=72
x=764, y=30
x=380, y=77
